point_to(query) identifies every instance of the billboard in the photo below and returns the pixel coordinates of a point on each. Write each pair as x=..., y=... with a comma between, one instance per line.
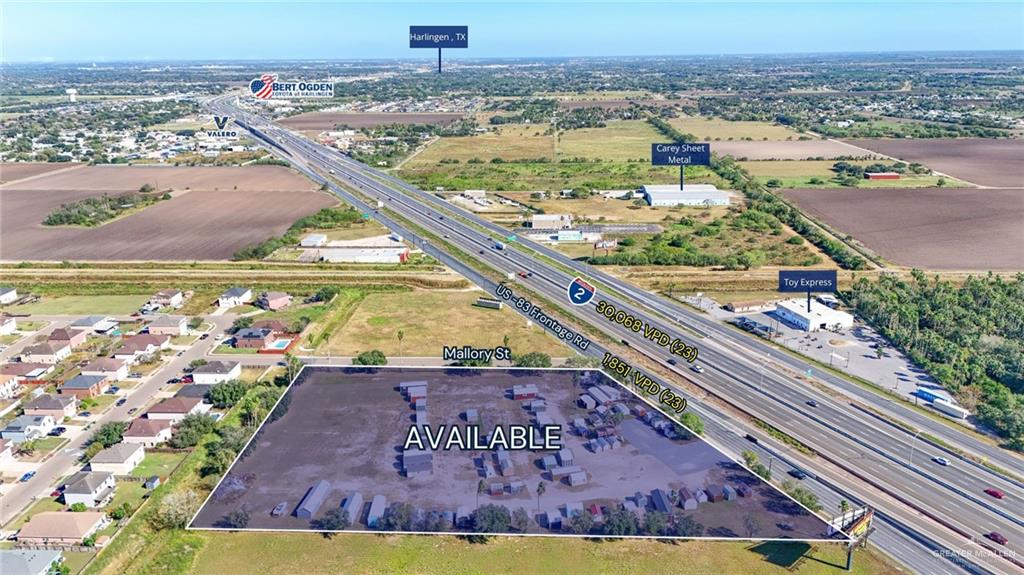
x=808, y=281
x=439, y=36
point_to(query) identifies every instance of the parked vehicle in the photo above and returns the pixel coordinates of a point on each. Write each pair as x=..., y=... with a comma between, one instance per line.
x=279, y=509
x=204, y=336
x=85, y=414
x=132, y=410
x=57, y=431
x=27, y=476
x=121, y=401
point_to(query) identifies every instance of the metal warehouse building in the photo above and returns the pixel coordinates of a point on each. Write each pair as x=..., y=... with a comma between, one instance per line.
x=819, y=317
x=313, y=500
x=699, y=195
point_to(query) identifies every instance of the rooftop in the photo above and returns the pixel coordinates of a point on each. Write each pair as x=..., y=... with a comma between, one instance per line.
x=175, y=405
x=146, y=427
x=61, y=524
x=117, y=453
x=216, y=367
x=83, y=381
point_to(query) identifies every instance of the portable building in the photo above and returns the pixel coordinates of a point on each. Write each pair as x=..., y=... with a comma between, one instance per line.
x=313, y=500
x=376, y=512
x=353, y=507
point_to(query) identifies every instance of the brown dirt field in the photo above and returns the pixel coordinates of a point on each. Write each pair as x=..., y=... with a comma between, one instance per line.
x=10, y=172
x=131, y=178
x=328, y=120
x=935, y=228
x=795, y=150
x=211, y=221
x=996, y=163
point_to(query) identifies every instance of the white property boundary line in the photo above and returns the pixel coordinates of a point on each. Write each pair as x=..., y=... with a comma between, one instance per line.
x=722, y=452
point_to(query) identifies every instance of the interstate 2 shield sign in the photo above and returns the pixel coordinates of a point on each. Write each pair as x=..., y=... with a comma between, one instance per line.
x=580, y=292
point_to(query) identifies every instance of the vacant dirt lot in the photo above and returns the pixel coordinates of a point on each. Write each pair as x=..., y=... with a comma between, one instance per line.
x=20, y=171
x=936, y=228
x=995, y=163
x=208, y=218
x=783, y=150
x=329, y=120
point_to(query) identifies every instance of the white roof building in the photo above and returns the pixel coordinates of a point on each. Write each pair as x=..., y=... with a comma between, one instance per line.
x=551, y=221
x=818, y=318
x=699, y=195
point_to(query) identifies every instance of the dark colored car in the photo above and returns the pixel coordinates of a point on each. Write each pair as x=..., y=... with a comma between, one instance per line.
x=121, y=402
x=672, y=361
x=750, y=438
x=798, y=474
x=997, y=537
x=812, y=403
x=995, y=493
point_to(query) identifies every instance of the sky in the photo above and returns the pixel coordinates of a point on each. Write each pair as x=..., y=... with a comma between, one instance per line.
x=88, y=31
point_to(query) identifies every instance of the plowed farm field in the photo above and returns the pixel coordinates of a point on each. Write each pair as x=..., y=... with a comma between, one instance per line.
x=213, y=213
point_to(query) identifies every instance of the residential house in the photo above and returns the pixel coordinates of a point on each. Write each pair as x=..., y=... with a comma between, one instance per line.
x=30, y=561
x=174, y=409
x=61, y=528
x=275, y=325
x=56, y=406
x=136, y=347
x=49, y=352
x=234, y=297
x=28, y=427
x=8, y=295
x=168, y=297
x=274, y=300
x=252, y=338
x=96, y=323
x=215, y=372
x=10, y=387
x=71, y=337
x=148, y=432
x=27, y=371
x=169, y=325
x=111, y=368
x=82, y=386
x=92, y=488
x=8, y=324
x=119, y=459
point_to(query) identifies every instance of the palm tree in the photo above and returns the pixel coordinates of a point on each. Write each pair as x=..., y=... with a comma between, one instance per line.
x=541, y=488
x=844, y=506
x=401, y=336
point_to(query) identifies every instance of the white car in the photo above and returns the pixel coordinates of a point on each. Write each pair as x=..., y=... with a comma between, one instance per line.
x=219, y=337
x=941, y=461
x=697, y=369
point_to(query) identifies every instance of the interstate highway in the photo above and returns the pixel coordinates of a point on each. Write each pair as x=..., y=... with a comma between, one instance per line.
x=551, y=282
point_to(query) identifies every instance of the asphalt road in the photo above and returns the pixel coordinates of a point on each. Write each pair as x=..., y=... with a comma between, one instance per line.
x=730, y=373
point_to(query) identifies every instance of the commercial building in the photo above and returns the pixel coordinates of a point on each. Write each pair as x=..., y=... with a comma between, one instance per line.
x=8, y=294
x=214, y=372
x=82, y=386
x=695, y=195
x=747, y=306
x=60, y=528
x=551, y=221
x=118, y=459
x=313, y=241
x=357, y=255
x=819, y=317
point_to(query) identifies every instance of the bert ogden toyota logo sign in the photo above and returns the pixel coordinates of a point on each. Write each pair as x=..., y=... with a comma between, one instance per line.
x=266, y=87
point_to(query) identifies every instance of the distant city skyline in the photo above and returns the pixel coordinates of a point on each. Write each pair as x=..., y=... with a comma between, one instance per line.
x=134, y=31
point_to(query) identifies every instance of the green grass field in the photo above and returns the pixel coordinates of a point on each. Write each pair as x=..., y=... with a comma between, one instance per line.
x=798, y=173
x=231, y=553
x=601, y=209
x=158, y=464
x=719, y=129
x=430, y=320
x=83, y=305
x=618, y=141
x=512, y=142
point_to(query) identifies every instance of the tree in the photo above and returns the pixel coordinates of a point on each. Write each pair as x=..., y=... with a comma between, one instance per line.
x=120, y=512
x=399, y=517
x=686, y=526
x=655, y=523
x=751, y=525
x=78, y=507
x=532, y=359
x=237, y=519
x=582, y=523
x=491, y=519
x=92, y=450
x=374, y=357
x=191, y=430
x=802, y=495
x=109, y=433
x=241, y=323
x=692, y=422
x=844, y=506
x=541, y=488
x=199, y=362
x=520, y=520
x=620, y=521
x=175, y=510
x=400, y=335
x=227, y=393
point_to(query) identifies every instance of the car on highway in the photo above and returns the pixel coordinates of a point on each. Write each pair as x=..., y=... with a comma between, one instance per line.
x=997, y=537
x=27, y=476
x=941, y=461
x=812, y=403
x=672, y=361
x=697, y=369
x=750, y=438
x=798, y=473
x=121, y=401
x=995, y=493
